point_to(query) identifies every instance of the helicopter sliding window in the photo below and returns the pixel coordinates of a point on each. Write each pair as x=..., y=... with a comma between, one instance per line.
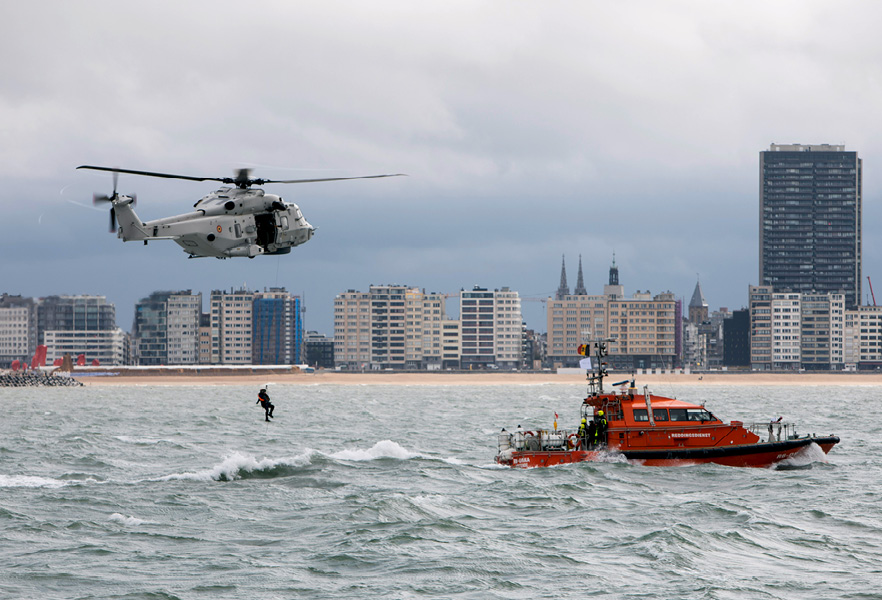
x=238, y=230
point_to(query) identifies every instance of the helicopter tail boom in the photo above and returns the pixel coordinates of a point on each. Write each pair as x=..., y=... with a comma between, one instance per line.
x=131, y=228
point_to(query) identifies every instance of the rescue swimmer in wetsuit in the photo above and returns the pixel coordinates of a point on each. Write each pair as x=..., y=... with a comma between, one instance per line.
x=264, y=400
x=600, y=426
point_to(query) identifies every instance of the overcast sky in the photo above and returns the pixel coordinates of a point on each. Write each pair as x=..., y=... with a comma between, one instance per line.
x=529, y=130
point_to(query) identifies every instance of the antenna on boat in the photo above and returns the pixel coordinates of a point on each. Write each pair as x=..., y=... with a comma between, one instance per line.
x=597, y=370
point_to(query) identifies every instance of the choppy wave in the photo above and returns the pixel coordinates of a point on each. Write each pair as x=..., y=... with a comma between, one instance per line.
x=29, y=481
x=126, y=520
x=405, y=506
x=384, y=449
x=244, y=466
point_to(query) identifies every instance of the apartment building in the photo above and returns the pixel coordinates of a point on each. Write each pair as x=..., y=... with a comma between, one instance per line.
x=81, y=324
x=402, y=327
x=352, y=330
x=166, y=328
x=18, y=329
x=231, y=327
x=277, y=328
x=791, y=331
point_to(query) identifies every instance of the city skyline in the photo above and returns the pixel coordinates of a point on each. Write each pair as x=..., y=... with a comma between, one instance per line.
x=574, y=128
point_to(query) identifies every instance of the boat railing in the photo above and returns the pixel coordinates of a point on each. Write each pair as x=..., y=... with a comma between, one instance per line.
x=773, y=431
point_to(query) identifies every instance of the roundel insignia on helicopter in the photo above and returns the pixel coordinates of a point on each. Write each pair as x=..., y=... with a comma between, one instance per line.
x=261, y=216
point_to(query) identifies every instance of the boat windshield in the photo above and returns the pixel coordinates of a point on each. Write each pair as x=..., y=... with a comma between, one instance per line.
x=691, y=414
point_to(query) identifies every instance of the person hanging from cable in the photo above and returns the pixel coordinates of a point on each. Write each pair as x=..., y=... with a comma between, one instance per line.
x=264, y=400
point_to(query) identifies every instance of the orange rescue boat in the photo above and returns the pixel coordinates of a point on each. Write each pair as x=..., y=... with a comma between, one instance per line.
x=653, y=430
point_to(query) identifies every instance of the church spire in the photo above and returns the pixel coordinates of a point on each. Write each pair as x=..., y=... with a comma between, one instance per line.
x=563, y=290
x=580, y=282
x=698, y=308
x=614, y=272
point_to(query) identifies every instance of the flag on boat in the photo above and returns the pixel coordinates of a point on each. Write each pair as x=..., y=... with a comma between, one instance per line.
x=585, y=363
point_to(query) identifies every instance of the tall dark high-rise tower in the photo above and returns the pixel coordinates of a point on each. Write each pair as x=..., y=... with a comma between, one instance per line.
x=810, y=220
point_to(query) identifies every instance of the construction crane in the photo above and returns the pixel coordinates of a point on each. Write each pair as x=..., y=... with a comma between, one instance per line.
x=870, y=281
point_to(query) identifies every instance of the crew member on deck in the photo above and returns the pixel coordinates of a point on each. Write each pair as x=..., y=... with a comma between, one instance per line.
x=583, y=434
x=264, y=400
x=600, y=429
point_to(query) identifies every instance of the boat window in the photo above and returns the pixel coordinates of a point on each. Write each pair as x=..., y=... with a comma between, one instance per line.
x=660, y=414
x=699, y=414
x=641, y=414
x=678, y=414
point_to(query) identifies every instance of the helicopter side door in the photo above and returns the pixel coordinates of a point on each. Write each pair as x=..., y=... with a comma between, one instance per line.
x=266, y=229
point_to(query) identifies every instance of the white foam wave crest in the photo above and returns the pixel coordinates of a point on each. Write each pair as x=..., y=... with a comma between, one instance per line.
x=29, y=481
x=235, y=465
x=610, y=456
x=124, y=520
x=804, y=458
x=389, y=449
x=384, y=449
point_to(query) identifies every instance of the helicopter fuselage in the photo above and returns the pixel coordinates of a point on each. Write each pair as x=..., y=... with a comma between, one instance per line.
x=226, y=223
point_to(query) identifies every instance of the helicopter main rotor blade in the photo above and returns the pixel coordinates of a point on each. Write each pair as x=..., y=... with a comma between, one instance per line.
x=240, y=180
x=152, y=174
x=262, y=181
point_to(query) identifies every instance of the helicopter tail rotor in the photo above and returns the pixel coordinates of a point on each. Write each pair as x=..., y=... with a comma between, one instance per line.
x=112, y=199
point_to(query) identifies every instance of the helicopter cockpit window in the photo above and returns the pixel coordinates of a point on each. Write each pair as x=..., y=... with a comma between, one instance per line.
x=285, y=223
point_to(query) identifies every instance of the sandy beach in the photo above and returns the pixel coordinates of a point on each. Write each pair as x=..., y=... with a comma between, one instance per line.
x=386, y=378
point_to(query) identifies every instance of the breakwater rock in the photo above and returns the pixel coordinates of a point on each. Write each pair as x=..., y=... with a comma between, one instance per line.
x=31, y=379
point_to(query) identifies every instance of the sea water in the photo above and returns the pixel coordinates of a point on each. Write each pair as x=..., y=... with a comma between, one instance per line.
x=373, y=491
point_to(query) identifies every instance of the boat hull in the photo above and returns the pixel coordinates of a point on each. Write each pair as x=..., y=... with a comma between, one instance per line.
x=746, y=455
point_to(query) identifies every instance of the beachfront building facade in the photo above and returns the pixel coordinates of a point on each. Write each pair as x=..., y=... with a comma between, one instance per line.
x=793, y=331
x=425, y=314
x=645, y=330
x=810, y=220
x=402, y=327
x=231, y=326
x=491, y=332
x=166, y=329
x=277, y=328
x=862, y=338
x=18, y=329
x=318, y=350
x=252, y=327
x=81, y=324
x=352, y=330
x=105, y=347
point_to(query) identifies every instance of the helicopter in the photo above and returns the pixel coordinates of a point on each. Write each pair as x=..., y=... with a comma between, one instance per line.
x=229, y=222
